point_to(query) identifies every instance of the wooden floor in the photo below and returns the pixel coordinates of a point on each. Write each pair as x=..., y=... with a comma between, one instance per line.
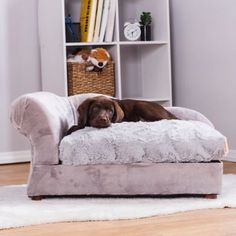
x=215, y=222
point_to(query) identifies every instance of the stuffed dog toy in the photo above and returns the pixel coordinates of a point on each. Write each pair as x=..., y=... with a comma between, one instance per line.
x=96, y=58
x=80, y=57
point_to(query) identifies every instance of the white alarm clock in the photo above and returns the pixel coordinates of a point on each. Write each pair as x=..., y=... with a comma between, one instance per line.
x=132, y=31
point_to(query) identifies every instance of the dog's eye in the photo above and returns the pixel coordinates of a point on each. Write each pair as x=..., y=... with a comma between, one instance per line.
x=96, y=108
x=110, y=111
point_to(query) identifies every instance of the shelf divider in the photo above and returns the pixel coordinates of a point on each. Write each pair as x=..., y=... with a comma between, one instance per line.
x=159, y=42
x=74, y=44
x=148, y=99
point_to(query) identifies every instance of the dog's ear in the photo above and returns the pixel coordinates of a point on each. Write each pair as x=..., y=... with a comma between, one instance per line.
x=118, y=113
x=83, y=111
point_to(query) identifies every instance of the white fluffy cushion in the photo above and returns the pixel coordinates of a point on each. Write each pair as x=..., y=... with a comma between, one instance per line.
x=134, y=142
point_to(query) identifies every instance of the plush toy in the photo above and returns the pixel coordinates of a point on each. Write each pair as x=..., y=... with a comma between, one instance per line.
x=80, y=57
x=96, y=58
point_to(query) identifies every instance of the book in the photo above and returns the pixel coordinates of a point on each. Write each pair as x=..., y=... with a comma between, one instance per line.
x=92, y=19
x=87, y=19
x=98, y=20
x=111, y=21
x=105, y=11
x=84, y=15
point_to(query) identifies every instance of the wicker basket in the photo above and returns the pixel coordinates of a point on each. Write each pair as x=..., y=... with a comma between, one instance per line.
x=82, y=81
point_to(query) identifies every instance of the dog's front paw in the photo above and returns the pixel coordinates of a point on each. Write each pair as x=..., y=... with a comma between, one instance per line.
x=72, y=129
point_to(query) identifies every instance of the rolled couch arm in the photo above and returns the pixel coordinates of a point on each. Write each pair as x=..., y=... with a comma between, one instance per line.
x=188, y=114
x=43, y=118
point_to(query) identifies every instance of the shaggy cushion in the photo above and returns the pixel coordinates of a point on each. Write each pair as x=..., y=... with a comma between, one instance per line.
x=135, y=142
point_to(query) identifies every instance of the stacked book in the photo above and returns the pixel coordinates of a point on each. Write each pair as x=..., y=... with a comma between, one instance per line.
x=97, y=20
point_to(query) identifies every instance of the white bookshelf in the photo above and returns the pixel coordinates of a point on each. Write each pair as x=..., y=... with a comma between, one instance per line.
x=142, y=68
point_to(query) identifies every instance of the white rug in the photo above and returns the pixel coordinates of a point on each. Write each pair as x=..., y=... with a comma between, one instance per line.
x=16, y=209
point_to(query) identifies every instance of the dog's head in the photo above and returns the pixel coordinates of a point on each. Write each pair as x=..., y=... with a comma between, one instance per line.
x=99, y=112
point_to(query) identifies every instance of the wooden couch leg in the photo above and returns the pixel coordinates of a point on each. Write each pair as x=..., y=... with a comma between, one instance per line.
x=210, y=196
x=36, y=198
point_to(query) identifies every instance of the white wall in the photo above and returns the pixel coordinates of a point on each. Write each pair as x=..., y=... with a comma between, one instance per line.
x=203, y=53
x=204, y=60
x=19, y=64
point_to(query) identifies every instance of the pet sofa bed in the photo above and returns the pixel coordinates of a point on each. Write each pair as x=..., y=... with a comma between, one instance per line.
x=113, y=161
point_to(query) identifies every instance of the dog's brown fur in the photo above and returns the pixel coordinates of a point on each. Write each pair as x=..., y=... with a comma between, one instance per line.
x=100, y=112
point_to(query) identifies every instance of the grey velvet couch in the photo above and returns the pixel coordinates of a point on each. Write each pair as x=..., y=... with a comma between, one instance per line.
x=44, y=119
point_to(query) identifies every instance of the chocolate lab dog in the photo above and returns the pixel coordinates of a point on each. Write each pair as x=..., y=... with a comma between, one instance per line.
x=101, y=111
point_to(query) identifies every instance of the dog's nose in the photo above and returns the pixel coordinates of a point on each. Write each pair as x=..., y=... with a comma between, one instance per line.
x=103, y=119
x=100, y=64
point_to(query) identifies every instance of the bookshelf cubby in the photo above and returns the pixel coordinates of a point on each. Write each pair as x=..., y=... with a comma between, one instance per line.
x=142, y=68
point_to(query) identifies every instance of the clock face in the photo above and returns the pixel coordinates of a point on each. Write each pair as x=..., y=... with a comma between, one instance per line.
x=132, y=31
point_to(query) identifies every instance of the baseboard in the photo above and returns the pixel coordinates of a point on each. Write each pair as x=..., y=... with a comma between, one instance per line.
x=14, y=157
x=231, y=156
